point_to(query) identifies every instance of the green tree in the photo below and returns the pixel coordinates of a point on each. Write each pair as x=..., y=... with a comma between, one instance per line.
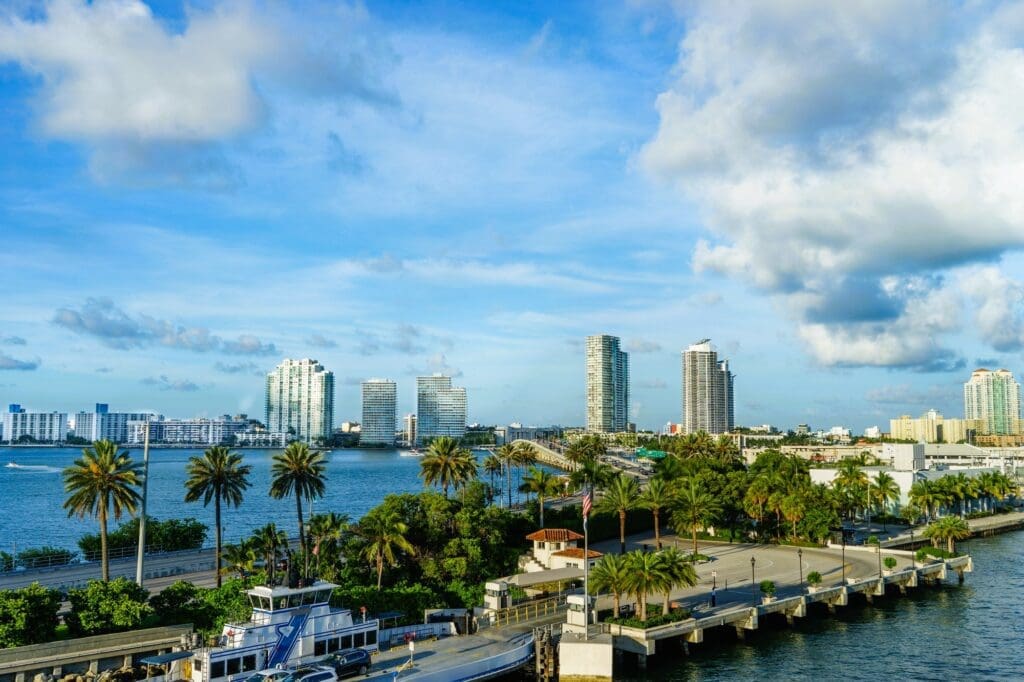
x=325, y=532
x=507, y=455
x=928, y=496
x=541, y=483
x=28, y=615
x=493, y=467
x=298, y=471
x=271, y=543
x=240, y=558
x=44, y=557
x=656, y=497
x=107, y=606
x=218, y=475
x=676, y=571
x=447, y=464
x=101, y=483
x=948, y=529
x=646, y=575
x=620, y=496
x=884, y=490
x=611, y=574
x=6, y=562
x=695, y=508
x=384, y=532
x=591, y=473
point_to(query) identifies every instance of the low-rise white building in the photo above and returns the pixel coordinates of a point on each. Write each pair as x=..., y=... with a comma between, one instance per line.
x=44, y=427
x=555, y=548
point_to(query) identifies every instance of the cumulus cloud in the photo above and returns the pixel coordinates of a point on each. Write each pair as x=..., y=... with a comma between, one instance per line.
x=838, y=147
x=321, y=341
x=147, y=97
x=437, y=363
x=9, y=363
x=997, y=302
x=166, y=384
x=13, y=341
x=105, y=321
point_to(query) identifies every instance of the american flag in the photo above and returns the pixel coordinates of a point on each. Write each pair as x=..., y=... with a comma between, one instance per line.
x=586, y=504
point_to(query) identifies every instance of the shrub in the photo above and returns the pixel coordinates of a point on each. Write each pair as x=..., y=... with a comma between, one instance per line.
x=872, y=540
x=889, y=562
x=937, y=552
x=673, y=616
x=104, y=607
x=768, y=587
x=6, y=562
x=166, y=536
x=41, y=557
x=814, y=578
x=28, y=615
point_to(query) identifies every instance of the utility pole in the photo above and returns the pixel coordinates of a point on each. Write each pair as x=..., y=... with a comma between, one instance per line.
x=139, y=560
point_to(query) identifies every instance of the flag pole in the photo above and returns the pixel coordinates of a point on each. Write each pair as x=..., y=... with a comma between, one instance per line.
x=586, y=564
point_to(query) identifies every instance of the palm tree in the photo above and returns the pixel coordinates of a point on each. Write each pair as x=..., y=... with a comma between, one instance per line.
x=948, y=529
x=447, y=464
x=646, y=575
x=621, y=495
x=883, y=491
x=218, y=475
x=385, y=532
x=101, y=483
x=756, y=498
x=695, y=508
x=669, y=468
x=591, y=473
x=325, y=532
x=271, y=542
x=239, y=558
x=611, y=574
x=656, y=497
x=541, y=483
x=793, y=507
x=925, y=494
x=298, y=471
x=526, y=456
x=493, y=467
x=507, y=454
x=676, y=571
x=852, y=483
x=725, y=450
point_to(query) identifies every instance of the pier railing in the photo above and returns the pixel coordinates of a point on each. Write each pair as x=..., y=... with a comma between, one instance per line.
x=528, y=611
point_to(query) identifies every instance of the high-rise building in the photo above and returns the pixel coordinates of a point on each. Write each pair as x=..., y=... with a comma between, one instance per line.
x=607, y=385
x=707, y=390
x=932, y=427
x=300, y=400
x=440, y=408
x=409, y=430
x=378, y=425
x=102, y=424
x=994, y=398
x=42, y=427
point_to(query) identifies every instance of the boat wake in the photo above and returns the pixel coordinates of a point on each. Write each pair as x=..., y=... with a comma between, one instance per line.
x=32, y=467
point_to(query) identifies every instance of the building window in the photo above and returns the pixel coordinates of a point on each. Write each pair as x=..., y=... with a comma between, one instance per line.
x=216, y=669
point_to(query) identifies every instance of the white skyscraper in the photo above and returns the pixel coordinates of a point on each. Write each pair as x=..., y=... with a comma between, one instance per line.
x=440, y=408
x=994, y=398
x=707, y=390
x=300, y=397
x=378, y=425
x=607, y=385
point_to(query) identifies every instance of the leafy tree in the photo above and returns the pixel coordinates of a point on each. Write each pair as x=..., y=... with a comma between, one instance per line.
x=6, y=562
x=42, y=557
x=218, y=475
x=621, y=495
x=385, y=533
x=28, y=615
x=182, y=602
x=102, y=482
x=171, y=535
x=107, y=606
x=298, y=471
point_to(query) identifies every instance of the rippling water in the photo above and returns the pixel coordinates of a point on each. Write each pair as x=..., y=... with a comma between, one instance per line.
x=32, y=493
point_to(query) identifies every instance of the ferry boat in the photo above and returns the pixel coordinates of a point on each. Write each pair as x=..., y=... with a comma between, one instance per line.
x=289, y=626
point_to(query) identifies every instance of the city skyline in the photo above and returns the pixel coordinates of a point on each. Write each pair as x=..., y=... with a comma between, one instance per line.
x=476, y=198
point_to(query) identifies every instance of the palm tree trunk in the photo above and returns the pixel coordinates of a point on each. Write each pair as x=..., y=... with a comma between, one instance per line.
x=302, y=532
x=104, y=559
x=616, y=601
x=657, y=530
x=643, y=605
x=622, y=533
x=216, y=517
x=540, y=498
x=694, y=529
x=380, y=569
x=508, y=475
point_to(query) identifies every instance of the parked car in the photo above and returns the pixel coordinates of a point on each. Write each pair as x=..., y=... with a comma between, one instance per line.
x=312, y=673
x=350, y=662
x=268, y=675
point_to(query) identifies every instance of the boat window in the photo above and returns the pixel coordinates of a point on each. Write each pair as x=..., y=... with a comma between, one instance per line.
x=346, y=642
x=197, y=664
x=308, y=598
x=265, y=603
x=323, y=596
x=359, y=639
x=371, y=637
x=216, y=669
x=320, y=648
x=332, y=645
x=248, y=662
x=234, y=666
x=254, y=601
x=294, y=600
x=282, y=602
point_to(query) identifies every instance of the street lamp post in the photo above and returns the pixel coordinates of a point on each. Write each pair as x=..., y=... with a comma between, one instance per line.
x=878, y=551
x=844, y=558
x=753, y=593
x=913, y=554
x=800, y=565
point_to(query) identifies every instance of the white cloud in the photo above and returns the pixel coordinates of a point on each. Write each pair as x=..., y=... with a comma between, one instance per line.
x=838, y=146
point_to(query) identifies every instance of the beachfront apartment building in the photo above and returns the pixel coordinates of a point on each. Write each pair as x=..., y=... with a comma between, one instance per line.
x=440, y=408
x=224, y=430
x=708, y=399
x=42, y=427
x=932, y=427
x=993, y=397
x=607, y=385
x=379, y=412
x=300, y=400
x=102, y=424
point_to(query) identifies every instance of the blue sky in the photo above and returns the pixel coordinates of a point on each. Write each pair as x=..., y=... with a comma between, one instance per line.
x=189, y=193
